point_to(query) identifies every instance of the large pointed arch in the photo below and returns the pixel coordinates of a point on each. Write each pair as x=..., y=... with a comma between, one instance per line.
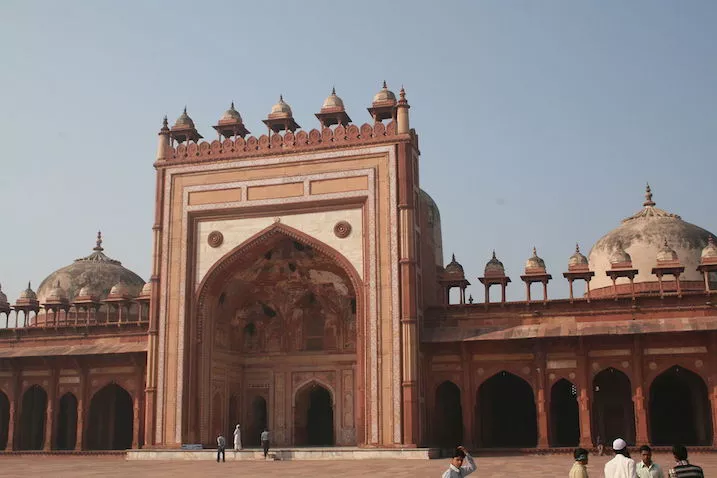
x=242, y=254
x=613, y=415
x=200, y=321
x=317, y=428
x=679, y=408
x=505, y=412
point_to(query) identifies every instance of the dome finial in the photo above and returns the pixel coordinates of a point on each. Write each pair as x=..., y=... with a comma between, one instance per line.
x=577, y=248
x=494, y=254
x=29, y=285
x=453, y=258
x=648, y=197
x=535, y=251
x=333, y=90
x=98, y=246
x=185, y=109
x=232, y=106
x=281, y=98
x=385, y=87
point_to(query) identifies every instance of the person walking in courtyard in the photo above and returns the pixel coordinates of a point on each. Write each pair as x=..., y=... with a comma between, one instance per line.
x=237, y=438
x=265, y=442
x=580, y=467
x=221, y=446
x=622, y=466
x=600, y=446
x=683, y=468
x=457, y=468
x=647, y=468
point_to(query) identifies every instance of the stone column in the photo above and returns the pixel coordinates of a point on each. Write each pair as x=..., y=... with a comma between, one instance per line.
x=638, y=398
x=137, y=409
x=466, y=397
x=712, y=384
x=50, y=418
x=540, y=364
x=713, y=406
x=584, y=385
x=14, y=397
x=81, y=402
x=409, y=301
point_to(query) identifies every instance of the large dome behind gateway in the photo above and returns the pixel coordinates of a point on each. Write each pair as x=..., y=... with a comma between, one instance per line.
x=647, y=234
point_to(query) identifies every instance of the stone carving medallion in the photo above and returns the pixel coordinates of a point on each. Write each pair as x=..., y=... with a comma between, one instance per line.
x=215, y=239
x=342, y=229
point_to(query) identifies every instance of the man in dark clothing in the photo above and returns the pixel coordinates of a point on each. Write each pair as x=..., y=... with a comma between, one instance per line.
x=221, y=446
x=683, y=468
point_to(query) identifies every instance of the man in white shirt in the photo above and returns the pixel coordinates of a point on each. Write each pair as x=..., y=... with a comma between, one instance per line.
x=648, y=468
x=458, y=469
x=622, y=466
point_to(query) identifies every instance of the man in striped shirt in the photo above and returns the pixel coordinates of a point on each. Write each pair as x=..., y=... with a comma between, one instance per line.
x=683, y=468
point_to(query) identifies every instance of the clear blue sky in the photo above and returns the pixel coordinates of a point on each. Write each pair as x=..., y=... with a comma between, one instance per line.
x=539, y=122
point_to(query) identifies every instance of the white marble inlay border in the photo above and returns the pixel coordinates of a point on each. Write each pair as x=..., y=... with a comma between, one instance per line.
x=164, y=296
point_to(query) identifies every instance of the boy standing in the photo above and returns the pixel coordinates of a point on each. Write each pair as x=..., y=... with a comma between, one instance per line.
x=458, y=469
x=579, y=469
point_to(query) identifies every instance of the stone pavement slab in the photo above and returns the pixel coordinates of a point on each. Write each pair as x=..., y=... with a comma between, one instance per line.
x=530, y=466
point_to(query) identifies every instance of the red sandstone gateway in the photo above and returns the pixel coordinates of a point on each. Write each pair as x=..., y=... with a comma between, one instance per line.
x=298, y=284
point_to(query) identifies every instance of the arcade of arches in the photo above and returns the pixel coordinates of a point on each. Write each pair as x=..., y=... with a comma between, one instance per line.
x=282, y=318
x=95, y=409
x=515, y=410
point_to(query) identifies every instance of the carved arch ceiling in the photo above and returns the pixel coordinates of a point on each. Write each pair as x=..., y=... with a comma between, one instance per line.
x=288, y=297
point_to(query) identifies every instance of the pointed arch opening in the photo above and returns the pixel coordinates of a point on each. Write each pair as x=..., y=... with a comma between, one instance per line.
x=313, y=416
x=67, y=423
x=4, y=420
x=564, y=414
x=282, y=294
x=111, y=419
x=505, y=409
x=613, y=411
x=679, y=409
x=448, y=416
x=257, y=420
x=32, y=419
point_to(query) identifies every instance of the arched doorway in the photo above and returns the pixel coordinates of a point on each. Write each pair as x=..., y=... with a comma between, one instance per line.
x=313, y=416
x=285, y=296
x=564, y=414
x=4, y=420
x=67, y=423
x=111, y=419
x=680, y=409
x=257, y=421
x=448, y=416
x=505, y=412
x=32, y=419
x=613, y=412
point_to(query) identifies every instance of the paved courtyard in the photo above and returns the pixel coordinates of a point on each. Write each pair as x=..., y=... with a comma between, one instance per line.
x=493, y=466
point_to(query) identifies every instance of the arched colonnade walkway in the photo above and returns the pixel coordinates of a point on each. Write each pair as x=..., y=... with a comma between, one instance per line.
x=504, y=411
x=36, y=423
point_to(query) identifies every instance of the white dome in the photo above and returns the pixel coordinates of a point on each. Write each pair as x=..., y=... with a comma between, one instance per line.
x=643, y=237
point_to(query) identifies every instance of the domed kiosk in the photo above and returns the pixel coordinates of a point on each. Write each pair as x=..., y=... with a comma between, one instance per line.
x=642, y=238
